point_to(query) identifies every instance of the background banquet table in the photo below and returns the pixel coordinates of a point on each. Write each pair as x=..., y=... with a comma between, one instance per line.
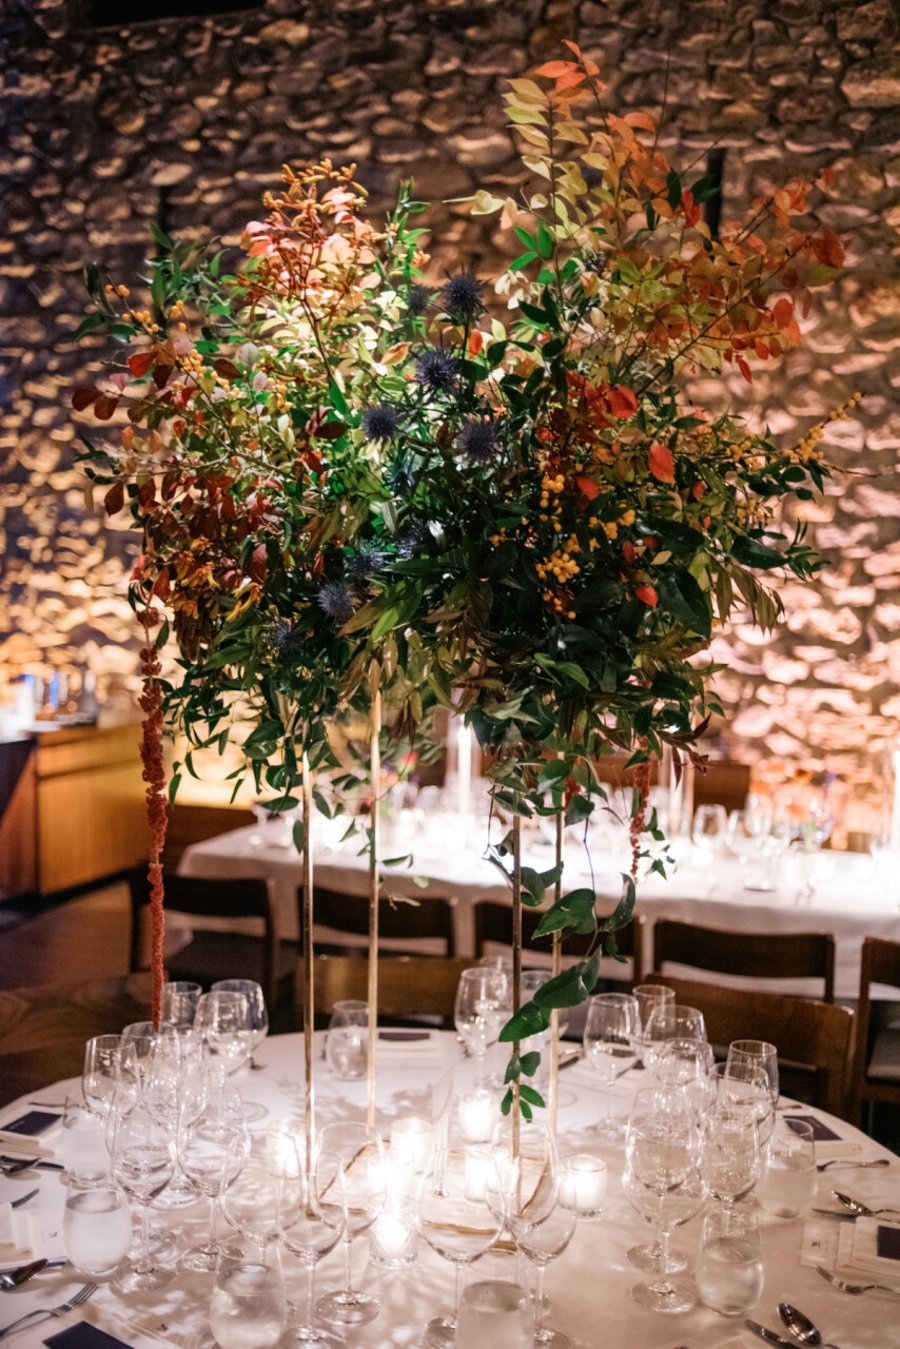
x=588, y=1284
x=854, y=895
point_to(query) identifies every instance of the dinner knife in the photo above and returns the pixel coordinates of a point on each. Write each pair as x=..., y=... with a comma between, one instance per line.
x=770, y=1337
x=833, y=1213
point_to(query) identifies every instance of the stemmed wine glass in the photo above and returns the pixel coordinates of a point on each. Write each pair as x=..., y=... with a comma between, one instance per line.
x=480, y=1009
x=611, y=1036
x=670, y=1021
x=249, y=1195
x=648, y=998
x=110, y=1072
x=223, y=1020
x=541, y=1242
x=179, y=1002
x=258, y=1026
x=458, y=1223
x=678, y=1206
x=211, y=1145
x=348, y=1181
x=742, y=1086
x=662, y=1151
x=759, y=1054
x=143, y=1159
x=687, y=1064
x=731, y=1154
x=308, y=1230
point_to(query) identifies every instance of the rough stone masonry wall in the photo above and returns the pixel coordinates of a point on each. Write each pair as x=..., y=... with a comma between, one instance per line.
x=101, y=127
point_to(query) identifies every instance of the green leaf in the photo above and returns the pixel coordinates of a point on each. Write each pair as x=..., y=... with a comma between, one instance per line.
x=533, y=884
x=752, y=553
x=544, y=241
x=569, y=988
x=529, y=1094
x=578, y=809
x=521, y=262
x=174, y=784
x=623, y=913
x=524, y=237
x=528, y=1020
x=573, y=912
x=529, y=1063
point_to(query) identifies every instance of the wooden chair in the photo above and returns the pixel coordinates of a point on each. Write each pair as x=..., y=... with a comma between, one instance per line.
x=212, y=953
x=782, y=955
x=814, y=1035
x=876, y=1059
x=493, y=923
x=429, y=920
x=408, y=986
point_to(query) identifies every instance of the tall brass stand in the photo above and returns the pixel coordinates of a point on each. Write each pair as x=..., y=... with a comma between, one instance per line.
x=374, y=889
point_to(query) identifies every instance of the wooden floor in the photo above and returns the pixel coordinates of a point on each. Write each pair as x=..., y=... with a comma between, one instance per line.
x=71, y=940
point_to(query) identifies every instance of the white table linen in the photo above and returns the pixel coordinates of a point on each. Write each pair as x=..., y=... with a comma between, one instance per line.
x=852, y=897
x=588, y=1284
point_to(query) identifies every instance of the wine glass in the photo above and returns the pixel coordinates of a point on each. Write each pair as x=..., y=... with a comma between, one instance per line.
x=176, y=1084
x=743, y=1086
x=709, y=828
x=671, y=1021
x=110, y=1070
x=678, y=1206
x=651, y=1102
x=258, y=1026
x=179, y=1002
x=223, y=1020
x=731, y=1154
x=480, y=1009
x=348, y=1181
x=687, y=1064
x=523, y=1175
x=249, y=1195
x=143, y=1159
x=649, y=997
x=458, y=1223
x=308, y=1231
x=611, y=1035
x=662, y=1151
x=760, y=1054
x=248, y=1309
x=210, y=1146
x=540, y=1242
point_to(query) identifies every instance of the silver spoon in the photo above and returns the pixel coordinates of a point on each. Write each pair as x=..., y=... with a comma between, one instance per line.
x=800, y=1326
x=858, y=1208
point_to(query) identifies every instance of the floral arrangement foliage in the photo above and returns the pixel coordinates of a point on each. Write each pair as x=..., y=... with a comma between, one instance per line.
x=496, y=499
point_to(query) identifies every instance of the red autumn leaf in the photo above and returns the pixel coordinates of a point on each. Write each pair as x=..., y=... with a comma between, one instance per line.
x=552, y=70
x=476, y=342
x=330, y=430
x=745, y=369
x=622, y=401
x=662, y=465
x=828, y=249
x=161, y=587
x=698, y=490
x=227, y=369
x=587, y=486
x=105, y=406
x=647, y=595
x=114, y=499
x=257, y=564
x=83, y=397
x=689, y=208
x=629, y=552
x=783, y=312
x=569, y=81
x=147, y=493
x=141, y=362
x=161, y=375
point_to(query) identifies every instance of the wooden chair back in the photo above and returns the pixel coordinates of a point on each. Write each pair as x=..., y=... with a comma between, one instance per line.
x=782, y=955
x=493, y=923
x=408, y=986
x=806, y=1032
x=204, y=898
x=880, y=965
x=428, y=920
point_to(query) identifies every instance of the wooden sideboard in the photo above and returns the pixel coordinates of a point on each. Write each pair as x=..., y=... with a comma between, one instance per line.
x=71, y=808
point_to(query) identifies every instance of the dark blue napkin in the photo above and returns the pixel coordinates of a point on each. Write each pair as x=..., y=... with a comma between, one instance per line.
x=84, y=1336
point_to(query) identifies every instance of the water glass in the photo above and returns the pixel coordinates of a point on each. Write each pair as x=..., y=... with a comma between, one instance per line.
x=480, y=1009
x=84, y=1149
x=495, y=1312
x=788, y=1183
x=96, y=1227
x=611, y=1045
x=649, y=997
x=248, y=1309
x=347, y=1040
x=757, y=1054
x=729, y=1273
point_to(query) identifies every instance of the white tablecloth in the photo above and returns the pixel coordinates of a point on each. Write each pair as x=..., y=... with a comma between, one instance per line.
x=854, y=896
x=588, y=1284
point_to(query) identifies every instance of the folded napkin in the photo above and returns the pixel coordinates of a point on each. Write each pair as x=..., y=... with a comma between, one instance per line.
x=104, y=1330
x=21, y=1143
x=16, y=1235
x=416, y=1049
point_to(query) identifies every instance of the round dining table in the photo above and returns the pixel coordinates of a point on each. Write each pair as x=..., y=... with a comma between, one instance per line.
x=587, y=1286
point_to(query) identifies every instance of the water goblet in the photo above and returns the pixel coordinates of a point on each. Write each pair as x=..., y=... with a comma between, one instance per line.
x=248, y=1309
x=611, y=1035
x=258, y=1024
x=480, y=1009
x=649, y=997
x=541, y=1242
x=223, y=1021
x=709, y=828
x=346, y=1182
x=308, y=1230
x=662, y=1151
x=210, y=1147
x=143, y=1159
x=110, y=1070
x=731, y=1154
x=179, y=1002
x=457, y=1222
x=743, y=1086
x=671, y=1021
x=758, y=1054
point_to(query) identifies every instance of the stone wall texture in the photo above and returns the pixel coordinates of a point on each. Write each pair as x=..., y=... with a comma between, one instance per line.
x=105, y=128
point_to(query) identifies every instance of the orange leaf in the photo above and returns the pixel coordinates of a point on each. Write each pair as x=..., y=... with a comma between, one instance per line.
x=553, y=69
x=783, y=311
x=745, y=369
x=141, y=362
x=622, y=401
x=640, y=119
x=647, y=595
x=587, y=486
x=662, y=465
x=476, y=342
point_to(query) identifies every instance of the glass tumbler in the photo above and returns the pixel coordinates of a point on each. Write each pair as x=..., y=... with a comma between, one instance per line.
x=347, y=1040
x=788, y=1182
x=729, y=1272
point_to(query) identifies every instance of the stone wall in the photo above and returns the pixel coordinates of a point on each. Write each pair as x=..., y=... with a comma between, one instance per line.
x=189, y=121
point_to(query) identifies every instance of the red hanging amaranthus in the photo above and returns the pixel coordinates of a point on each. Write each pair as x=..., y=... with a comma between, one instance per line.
x=641, y=784
x=154, y=775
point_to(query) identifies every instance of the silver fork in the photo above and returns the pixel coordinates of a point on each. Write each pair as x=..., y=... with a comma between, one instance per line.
x=855, y=1288
x=849, y=1166
x=78, y=1300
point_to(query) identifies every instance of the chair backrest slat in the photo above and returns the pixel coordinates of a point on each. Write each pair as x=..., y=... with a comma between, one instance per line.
x=408, y=986
x=493, y=923
x=429, y=919
x=880, y=965
x=781, y=955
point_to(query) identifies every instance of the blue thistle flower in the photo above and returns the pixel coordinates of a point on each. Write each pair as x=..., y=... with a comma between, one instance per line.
x=286, y=639
x=381, y=424
x=436, y=371
x=478, y=441
x=411, y=542
x=366, y=562
x=418, y=298
x=462, y=297
x=336, y=600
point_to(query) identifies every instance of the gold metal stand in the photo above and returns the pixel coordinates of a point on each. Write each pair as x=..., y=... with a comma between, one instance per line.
x=309, y=1001
x=374, y=894
x=517, y=962
x=553, y=1082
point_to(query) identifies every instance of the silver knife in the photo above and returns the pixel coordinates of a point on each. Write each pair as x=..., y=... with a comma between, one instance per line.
x=833, y=1213
x=763, y=1333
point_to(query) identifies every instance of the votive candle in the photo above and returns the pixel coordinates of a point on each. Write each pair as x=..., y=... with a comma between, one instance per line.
x=412, y=1134
x=477, y=1116
x=582, y=1184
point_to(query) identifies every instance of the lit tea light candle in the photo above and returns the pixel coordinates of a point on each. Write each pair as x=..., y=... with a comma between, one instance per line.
x=477, y=1116
x=393, y=1237
x=478, y=1165
x=582, y=1184
x=412, y=1135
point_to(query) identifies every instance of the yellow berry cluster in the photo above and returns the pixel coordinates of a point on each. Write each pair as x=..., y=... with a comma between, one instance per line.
x=551, y=487
x=805, y=449
x=122, y=291
x=143, y=318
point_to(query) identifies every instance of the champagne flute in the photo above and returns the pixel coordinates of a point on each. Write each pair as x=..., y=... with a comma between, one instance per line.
x=480, y=1010
x=459, y=1223
x=143, y=1159
x=611, y=1036
x=348, y=1181
x=308, y=1230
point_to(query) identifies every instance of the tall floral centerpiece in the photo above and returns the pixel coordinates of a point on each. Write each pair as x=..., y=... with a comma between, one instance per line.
x=498, y=499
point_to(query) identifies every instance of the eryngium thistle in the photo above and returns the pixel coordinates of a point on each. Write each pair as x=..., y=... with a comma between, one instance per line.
x=381, y=424
x=461, y=296
x=478, y=441
x=436, y=371
x=286, y=639
x=367, y=561
x=418, y=298
x=336, y=600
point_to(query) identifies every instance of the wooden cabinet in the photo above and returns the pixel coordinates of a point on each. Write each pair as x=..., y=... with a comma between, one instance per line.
x=71, y=808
